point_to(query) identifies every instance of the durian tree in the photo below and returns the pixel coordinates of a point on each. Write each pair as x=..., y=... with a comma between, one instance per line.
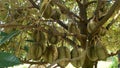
x=49, y=32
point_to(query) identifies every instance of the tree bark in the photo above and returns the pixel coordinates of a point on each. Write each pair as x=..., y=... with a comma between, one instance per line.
x=96, y=64
x=88, y=63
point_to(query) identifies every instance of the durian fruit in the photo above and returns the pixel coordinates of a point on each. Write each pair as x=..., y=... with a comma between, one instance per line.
x=91, y=26
x=46, y=10
x=35, y=52
x=63, y=52
x=51, y=54
x=101, y=51
x=39, y=39
x=75, y=53
x=91, y=53
x=38, y=36
x=53, y=39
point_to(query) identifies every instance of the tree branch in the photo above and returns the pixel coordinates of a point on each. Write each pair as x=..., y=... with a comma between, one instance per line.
x=79, y=3
x=32, y=62
x=34, y=4
x=22, y=26
x=108, y=15
x=113, y=20
x=83, y=12
x=65, y=10
x=113, y=54
x=84, y=2
x=62, y=24
x=58, y=21
x=17, y=26
x=89, y=3
x=110, y=12
x=99, y=3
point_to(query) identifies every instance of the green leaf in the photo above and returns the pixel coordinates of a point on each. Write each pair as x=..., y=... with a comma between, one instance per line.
x=9, y=36
x=26, y=48
x=8, y=59
x=29, y=40
x=3, y=33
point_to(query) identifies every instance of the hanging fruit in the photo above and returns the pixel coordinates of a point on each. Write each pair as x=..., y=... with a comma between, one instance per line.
x=46, y=10
x=35, y=52
x=51, y=54
x=77, y=53
x=53, y=39
x=91, y=25
x=101, y=51
x=91, y=53
x=63, y=52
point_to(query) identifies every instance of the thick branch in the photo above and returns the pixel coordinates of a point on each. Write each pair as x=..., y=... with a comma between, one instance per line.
x=83, y=12
x=99, y=3
x=110, y=12
x=58, y=21
x=62, y=24
x=65, y=10
x=113, y=20
x=84, y=2
x=79, y=3
x=108, y=15
x=62, y=7
x=34, y=4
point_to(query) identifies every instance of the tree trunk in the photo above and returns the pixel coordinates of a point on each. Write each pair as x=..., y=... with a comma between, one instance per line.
x=88, y=63
x=96, y=64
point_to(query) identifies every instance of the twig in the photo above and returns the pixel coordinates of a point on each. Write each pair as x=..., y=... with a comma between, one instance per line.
x=113, y=54
x=16, y=26
x=34, y=4
x=33, y=62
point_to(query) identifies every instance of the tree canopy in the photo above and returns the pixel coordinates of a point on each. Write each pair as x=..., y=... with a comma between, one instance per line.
x=81, y=32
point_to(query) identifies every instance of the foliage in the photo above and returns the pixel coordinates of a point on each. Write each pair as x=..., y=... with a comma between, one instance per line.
x=35, y=29
x=111, y=40
x=8, y=59
x=8, y=36
x=115, y=63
